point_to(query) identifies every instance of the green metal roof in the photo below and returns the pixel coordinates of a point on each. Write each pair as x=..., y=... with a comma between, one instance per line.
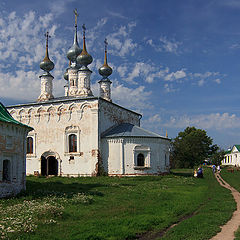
x=238, y=147
x=229, y=151
x=6, y=117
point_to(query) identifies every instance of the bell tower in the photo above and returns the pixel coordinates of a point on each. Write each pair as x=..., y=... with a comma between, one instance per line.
x=46, y=78
x=105, y=83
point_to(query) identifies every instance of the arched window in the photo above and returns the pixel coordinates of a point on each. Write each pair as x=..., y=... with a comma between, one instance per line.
x=72, y=142
x=29, y=145
x=140, y=160
x=6, y=170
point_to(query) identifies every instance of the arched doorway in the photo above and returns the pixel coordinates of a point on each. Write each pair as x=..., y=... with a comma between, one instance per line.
x=6, y=170
x=49, y=165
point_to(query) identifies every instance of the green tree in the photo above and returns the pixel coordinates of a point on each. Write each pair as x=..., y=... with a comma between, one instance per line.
x=217, y=157
x=191, y=147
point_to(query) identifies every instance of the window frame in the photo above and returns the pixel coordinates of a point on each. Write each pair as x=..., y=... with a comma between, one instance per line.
x=69, y=131
x=146, y=152
x=72, y=142
x=33, y=135
x=29, y=148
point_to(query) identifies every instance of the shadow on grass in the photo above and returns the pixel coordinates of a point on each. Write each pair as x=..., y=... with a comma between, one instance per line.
x=183, y=173
x=43, y=187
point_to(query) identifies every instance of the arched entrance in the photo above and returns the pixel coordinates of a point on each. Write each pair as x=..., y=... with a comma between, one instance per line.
x=49, y=164
x=6, y=170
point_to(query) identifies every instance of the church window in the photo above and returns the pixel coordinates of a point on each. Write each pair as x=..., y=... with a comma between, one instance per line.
x=140, y=160
x=72, y=143
x=142, y=156
x=6, y=170
x=29, y=145
x=72, y=140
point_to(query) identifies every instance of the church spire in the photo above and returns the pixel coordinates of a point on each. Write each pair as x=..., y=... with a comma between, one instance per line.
x=46, y=78
x=105, y=83
x=84, y=58
x=75, y=50
x=105, y=70
x=46, y=64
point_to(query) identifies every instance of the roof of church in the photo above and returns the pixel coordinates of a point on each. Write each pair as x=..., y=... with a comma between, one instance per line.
x=129, y=130
x=66, y=99
x=6, y=117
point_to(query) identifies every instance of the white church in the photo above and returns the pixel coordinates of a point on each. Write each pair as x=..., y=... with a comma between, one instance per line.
x=84, y=135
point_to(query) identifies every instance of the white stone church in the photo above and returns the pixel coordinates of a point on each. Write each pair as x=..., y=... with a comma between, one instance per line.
x=84, y=135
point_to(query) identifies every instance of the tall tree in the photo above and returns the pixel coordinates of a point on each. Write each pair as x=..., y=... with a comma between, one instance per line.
x=217, y=157
x=191, y=147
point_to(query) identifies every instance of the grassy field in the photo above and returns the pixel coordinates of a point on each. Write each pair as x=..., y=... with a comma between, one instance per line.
x=116, y=208
x=233, y=180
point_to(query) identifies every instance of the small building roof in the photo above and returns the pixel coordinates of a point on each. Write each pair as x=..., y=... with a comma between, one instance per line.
x=238, y=147
x=6, y=117
x=129, y=130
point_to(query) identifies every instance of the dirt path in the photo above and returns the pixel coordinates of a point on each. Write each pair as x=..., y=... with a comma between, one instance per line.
x=227, y=232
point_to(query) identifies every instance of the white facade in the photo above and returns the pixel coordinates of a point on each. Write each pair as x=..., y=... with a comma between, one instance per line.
x=232, y=156
x=120, y=155
x=12, y=158
x=87, y=118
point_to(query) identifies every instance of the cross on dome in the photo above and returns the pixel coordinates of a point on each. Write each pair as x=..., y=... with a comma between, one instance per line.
x=76, y=15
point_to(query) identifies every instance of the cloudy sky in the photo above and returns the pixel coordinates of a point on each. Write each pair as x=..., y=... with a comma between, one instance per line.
x=176, y=62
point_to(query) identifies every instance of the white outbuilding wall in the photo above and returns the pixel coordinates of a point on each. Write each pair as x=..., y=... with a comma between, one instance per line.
x=12, y=158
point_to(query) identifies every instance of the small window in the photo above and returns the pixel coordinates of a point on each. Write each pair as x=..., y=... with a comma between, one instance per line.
x=140, y=160
x=72, y=143
x=6, y=170
x=29, y=145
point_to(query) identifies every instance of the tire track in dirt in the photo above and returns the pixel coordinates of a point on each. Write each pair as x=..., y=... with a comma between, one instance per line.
x=227, y=232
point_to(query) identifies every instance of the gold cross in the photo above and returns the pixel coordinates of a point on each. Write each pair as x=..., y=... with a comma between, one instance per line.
x=106, y=43
x=47, y=37
x=76, y=15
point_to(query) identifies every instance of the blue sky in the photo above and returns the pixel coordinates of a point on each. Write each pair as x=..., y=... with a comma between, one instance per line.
x=176, y=62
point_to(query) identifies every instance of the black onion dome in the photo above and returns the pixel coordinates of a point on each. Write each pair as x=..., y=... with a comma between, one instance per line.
x=84, y=58
x=46, y=64
x=105, y=70
x=73, y=52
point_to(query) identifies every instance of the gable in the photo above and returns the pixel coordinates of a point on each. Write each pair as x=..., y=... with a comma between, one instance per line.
x=236, y=149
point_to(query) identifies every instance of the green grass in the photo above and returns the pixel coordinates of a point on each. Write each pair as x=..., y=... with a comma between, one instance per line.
x=233, y=180
x=116, y=208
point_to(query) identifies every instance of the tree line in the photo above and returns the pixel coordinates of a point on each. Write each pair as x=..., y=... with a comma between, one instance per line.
x=192, y=146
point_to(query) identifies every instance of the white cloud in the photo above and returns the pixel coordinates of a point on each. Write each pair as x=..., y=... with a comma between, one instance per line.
x=116, y=14
x=136, y=99
x=175, y=75
x=169, y=88
x=165, y=45
x=132, y=98
x=21, y=50
x=218, y=81
x=201, y=82
x=211, y=121
x=155, y=119
x=58, y=7
x=121, y=42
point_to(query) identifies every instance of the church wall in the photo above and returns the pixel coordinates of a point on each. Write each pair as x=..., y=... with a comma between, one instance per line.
x=12, y=152
x=111, y=115
x=53, y=123
x=119, y=156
